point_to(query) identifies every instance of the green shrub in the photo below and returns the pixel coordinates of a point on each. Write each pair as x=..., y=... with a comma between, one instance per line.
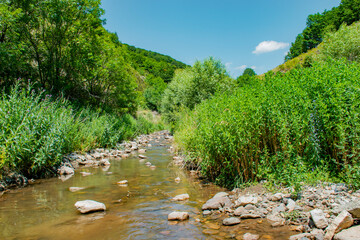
x=345, y=43
x=286, y=128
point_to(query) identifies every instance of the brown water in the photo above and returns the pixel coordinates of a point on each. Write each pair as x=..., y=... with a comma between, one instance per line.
x=45, y=210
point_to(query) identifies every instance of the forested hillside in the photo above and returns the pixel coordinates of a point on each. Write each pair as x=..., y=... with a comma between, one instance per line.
x=319, y=24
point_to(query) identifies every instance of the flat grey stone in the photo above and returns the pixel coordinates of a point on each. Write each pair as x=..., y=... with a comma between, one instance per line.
x=87, y=206
x=231, y=221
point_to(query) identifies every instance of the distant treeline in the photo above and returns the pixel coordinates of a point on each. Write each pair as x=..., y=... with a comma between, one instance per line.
x=317, y=25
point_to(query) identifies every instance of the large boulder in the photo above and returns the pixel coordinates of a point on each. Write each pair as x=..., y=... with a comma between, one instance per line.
x=318, y=216
x=87, y=206
x=220, y=200
x=352, y=233
x=342, y=221
x=353, y=208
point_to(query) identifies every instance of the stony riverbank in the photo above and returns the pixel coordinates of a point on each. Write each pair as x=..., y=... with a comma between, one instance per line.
x=94, y=158
x=325, y=211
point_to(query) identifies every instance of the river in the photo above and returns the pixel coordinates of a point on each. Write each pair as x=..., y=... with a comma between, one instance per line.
x=45, y=209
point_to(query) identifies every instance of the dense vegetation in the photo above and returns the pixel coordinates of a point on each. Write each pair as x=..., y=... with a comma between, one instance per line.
x=59, y=48
x=194, y=84
x=38, y=129
x=287, y=128
x=319, y=24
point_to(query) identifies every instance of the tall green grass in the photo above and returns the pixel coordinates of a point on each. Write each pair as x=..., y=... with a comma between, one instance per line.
x=36, y=130
x=287, y=128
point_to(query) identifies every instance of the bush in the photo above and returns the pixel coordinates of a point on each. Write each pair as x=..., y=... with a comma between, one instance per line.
x=36, y=130
x=285, y=128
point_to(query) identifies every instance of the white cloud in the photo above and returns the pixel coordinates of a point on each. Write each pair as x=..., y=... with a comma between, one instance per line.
x=242, y=67
x=228, y=64
x=269, y=46
x=253, y=67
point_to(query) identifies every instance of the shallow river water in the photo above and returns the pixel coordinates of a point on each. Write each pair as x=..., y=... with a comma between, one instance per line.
x=45, y=210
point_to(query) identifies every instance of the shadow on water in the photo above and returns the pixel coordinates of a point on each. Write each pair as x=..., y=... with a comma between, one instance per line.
x=137, y=211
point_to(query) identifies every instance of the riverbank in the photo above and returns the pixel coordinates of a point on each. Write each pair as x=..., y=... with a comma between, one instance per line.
x=322, y=211
x=93, y=158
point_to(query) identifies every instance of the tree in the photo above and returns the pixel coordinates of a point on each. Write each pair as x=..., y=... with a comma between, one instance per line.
x=249, y=71
x=246, y=77
x=193, y=85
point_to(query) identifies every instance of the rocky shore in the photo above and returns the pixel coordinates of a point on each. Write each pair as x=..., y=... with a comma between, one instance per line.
x=322, y=212
x=94, y=158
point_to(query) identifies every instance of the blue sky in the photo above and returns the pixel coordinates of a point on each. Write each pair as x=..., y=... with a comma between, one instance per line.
x=240, y=33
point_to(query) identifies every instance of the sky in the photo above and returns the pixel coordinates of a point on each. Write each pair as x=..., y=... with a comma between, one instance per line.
x=252, y=33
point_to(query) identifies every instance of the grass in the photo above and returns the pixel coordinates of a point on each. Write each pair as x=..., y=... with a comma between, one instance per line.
x=36, y=130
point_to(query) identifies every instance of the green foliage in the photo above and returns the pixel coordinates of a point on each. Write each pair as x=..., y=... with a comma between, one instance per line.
x=246, y=77
x=193, y=85
x=345, y=43
x=62, y=47
x=153, y=63
x=249, y=72
x=36, y=130
x=286, y=128
x=318, y=25
x=154, y=91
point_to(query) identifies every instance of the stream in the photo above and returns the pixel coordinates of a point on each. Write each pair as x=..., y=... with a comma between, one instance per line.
x=45, y=209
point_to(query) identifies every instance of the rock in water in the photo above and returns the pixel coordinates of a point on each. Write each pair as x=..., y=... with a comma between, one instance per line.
x=64, y=170
x=87, y=206
x=104, y=162
x=180, y=216
x=75, y=189
x=142, y=156
x=85, y=174
x=181, y=197
x=275, y=220
x=249, y=236
x=319, y=218
x=123, y=182
x=231, y=221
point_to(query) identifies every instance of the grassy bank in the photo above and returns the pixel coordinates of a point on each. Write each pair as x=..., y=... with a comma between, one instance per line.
x=285, y=128
x=36, y=130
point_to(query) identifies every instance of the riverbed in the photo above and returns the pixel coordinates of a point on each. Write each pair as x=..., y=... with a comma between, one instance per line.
x=139, y=210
